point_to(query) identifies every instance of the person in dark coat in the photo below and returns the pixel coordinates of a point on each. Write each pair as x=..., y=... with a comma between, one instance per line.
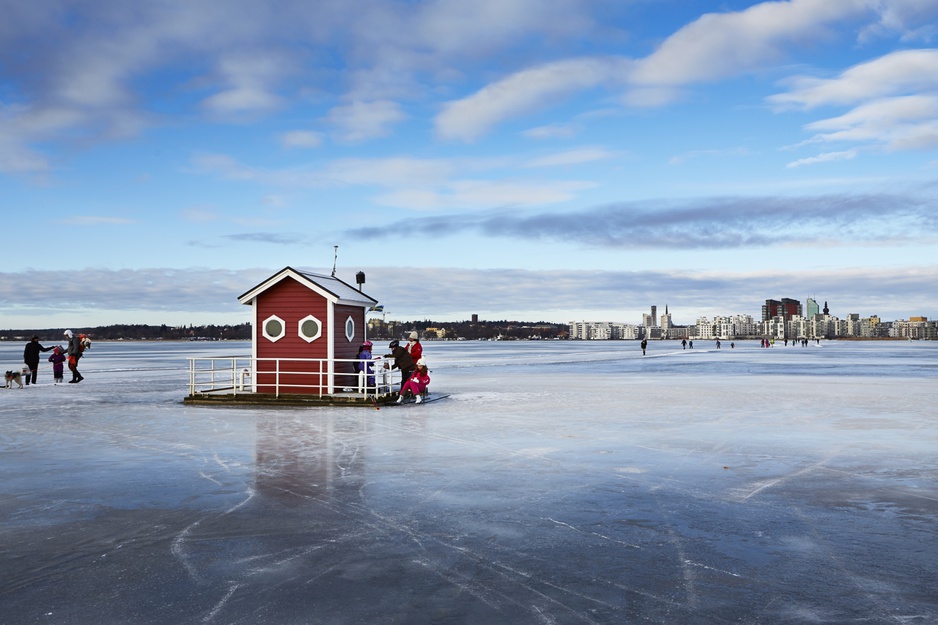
x=402, y=361
x=31, y=358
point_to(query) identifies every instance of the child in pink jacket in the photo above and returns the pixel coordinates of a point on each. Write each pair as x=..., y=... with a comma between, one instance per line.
x=58, y=369
x=417, y=384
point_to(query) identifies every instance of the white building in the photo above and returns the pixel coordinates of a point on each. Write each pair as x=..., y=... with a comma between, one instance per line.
x=704, y=329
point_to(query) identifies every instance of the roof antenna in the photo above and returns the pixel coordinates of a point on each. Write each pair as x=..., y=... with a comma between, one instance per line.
x=335, y=257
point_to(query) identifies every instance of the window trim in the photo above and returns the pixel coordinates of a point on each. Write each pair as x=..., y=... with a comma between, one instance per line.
x=270, y=337
x=299, y=328
x=350, y=335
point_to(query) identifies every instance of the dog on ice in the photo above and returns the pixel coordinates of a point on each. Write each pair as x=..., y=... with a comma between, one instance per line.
x=12, y=376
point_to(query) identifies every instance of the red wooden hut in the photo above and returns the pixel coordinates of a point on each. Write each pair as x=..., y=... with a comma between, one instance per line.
x=306, y=332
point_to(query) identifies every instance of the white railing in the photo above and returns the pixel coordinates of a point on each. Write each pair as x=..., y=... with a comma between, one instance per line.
x=276, y=376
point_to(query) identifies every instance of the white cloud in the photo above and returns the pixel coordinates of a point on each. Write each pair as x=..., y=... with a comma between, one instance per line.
x=551, y=131
x=389, y=172
x=574, y=157
x=719, y=45
x=468, y=118
x=902, y=123
x=455, y=28
x=301, y=139
x=713, y=47
x=894, y=99
x=360, y=121
x=423, y=184
x=17, y=158
x=200, y=215
x=899, y=73
x=913, y=20
x=248, y=79
x=159, y=294
x=823, y=158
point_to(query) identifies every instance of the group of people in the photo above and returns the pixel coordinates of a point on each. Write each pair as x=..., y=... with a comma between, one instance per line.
x=76, y=346
x=802, y=341
x=415, y=377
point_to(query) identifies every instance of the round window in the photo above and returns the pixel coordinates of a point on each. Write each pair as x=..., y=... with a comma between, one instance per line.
x=310, y=328
x=273, y=328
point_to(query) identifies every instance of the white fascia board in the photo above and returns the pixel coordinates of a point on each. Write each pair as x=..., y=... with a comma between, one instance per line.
x=285, y=273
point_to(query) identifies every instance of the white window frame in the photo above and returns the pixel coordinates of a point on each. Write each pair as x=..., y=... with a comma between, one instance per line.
x=350, y=335
x=299, y=328
x=283, y=329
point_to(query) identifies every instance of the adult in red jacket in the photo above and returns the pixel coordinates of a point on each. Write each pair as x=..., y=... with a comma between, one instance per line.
x=414, y=348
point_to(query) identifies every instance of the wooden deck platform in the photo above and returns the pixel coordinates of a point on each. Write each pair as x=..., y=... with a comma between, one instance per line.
x=271, y=400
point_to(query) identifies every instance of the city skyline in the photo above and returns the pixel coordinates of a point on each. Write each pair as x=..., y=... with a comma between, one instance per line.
x=530, y=159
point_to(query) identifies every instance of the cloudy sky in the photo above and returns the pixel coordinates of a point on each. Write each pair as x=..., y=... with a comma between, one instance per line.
x=519, y=159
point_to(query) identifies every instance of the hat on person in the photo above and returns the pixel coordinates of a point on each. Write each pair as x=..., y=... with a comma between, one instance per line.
x=367, y=344
x=421, y=362
x=393, y=344
x=68, y=333
x=413, y=336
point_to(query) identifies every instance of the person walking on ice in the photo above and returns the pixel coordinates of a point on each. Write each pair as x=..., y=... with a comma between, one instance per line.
x=76, y=347
x=31, y=358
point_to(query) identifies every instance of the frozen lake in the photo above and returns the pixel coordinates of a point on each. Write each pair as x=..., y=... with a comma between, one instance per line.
x=562, y=482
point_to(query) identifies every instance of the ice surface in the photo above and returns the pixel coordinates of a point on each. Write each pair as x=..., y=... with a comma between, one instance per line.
x=562, y=482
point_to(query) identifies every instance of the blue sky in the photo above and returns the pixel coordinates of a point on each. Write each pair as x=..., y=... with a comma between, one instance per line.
x=519, y=159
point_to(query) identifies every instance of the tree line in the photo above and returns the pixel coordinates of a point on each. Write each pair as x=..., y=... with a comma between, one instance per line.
x=467, y=330
x=139, y=332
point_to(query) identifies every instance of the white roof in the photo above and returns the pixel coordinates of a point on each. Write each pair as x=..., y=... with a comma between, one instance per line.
x=330, y=287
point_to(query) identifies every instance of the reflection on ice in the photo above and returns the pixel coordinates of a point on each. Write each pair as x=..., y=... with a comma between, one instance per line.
x=562, y=482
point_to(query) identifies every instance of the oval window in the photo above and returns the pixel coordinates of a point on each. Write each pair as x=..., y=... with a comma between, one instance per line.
x=350, y=329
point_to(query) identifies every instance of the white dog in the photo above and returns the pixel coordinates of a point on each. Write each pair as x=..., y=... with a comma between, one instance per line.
x=12, y=376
